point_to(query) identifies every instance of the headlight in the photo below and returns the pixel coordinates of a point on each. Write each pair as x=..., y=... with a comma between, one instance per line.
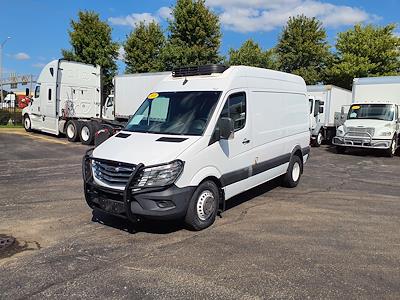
x=386, y=133
x=339, y=132
x=161, y=175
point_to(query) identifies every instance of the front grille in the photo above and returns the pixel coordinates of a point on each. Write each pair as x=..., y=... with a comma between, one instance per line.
x=361, y=131
x=112, y=173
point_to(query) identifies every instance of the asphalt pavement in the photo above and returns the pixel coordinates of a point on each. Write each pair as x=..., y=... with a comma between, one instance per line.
x=334, y=236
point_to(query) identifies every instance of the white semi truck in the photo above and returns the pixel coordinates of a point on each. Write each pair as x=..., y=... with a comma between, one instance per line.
x=67, y=100
x=327, y=104
x=374, y=116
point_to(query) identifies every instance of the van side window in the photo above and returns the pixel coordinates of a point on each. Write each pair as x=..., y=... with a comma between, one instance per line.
x=37, y=91
x=235, y=108
x=49, y=97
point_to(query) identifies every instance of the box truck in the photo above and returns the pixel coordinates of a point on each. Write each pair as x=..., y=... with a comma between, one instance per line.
x=204, y=135
x=329, y=102
x=374, y=117
x=68, y=100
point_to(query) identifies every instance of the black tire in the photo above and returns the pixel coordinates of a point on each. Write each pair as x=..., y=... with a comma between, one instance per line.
x=86, y=133
x=340, y=149
x=203, y=206
x=27, y=123
x=72, y=129
x=392, y=149
x=318, y=140
x=293, y=174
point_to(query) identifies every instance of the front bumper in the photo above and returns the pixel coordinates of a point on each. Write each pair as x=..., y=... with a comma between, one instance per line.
x=361, y=142
x=169, y=202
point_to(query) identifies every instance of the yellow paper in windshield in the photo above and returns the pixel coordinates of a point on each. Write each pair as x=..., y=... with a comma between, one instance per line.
x=152, y=96
x=356, y=107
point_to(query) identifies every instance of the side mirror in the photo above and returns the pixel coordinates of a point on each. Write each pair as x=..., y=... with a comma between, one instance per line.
x=27, y=92
x=321, y=109
x=226, y=128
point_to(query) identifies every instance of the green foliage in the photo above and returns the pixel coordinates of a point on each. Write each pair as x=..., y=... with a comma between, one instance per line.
x=303, y=50
x=195, y=35
x=365, y=51
x=143, y=49
x=251, y=54
x=91, y=43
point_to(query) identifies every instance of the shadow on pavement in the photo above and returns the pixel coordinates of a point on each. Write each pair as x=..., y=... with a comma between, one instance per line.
x=165, y=227
x=148, y=226
x=358, y=151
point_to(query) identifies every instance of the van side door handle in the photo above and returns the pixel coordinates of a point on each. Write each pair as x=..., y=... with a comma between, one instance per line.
x=245, y=141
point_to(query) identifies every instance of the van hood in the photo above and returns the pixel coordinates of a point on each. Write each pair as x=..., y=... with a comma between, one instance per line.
x=146, y=148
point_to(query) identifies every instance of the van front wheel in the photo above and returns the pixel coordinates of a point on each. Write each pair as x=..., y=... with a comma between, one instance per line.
x=203, y=206
x=292, y=177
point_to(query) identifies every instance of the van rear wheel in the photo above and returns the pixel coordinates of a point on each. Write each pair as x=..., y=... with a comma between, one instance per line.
x=203, y=206
x=292, y=177
x=86, y=133
x=72, y=129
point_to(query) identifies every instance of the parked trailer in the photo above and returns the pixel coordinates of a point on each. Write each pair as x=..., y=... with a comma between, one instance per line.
x=67, y=100
x=374, y=116
x=331, y=99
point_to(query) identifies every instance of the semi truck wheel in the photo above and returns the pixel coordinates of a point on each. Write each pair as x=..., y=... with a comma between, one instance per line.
x=86, y=133
x=203, y=206
x=27, y=123
x=72, y=130
x=292, y=177
x=392, y=149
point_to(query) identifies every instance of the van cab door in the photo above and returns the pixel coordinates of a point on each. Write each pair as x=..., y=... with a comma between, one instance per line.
x=237, y=151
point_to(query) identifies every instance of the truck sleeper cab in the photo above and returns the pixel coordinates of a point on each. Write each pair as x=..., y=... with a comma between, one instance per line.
x=207, y=134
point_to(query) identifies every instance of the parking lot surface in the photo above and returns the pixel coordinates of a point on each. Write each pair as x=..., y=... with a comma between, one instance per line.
x=334, y=236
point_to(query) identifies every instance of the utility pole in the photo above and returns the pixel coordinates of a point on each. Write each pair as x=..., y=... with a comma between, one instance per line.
x=1, y=67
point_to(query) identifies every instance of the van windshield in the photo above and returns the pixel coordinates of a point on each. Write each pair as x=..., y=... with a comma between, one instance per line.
x=383, y=112
x=177, y=113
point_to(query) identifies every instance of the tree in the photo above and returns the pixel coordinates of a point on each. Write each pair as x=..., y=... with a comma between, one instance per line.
x=251, y=54
x=195, y=35
x=303, y=50
x=143, y=49
x=91, y=43
x=365, y=51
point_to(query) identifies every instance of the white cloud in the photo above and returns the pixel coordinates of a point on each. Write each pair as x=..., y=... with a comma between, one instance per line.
x=262, y=15
x=21, y=56
x=131, y=20
x=164, y=12
x=121, y=53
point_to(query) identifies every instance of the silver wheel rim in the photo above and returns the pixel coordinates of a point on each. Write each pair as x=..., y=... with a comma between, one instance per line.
x=296, y=171
x=85, y=133
x=70, y=131
x=205, y=205
x=319, y=138
x=27, y=123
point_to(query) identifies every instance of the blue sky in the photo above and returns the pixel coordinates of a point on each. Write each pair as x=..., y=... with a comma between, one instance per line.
x=38, y=29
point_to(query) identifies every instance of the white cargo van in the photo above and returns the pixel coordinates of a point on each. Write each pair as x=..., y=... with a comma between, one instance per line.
x=67, y=99
x=203, y=136
x=373, y=120
x=329, y=100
